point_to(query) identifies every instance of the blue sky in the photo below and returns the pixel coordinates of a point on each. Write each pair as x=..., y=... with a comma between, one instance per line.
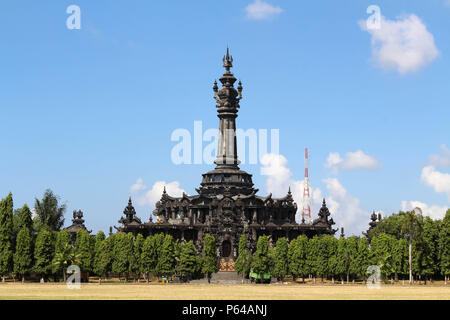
x=88, y=112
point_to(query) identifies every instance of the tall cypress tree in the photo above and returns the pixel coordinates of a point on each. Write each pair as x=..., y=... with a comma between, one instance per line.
x=138, y=245
x=301, y=256
x=381, y=248
x=149, y=256
x=312, y=257
x=166, y=257
x=362, y=259
x=6, y=236
x=352, y=248
x=281, y=259
x=444, y=247
x=99, y=237
x=430, y=238
x=261, y=260
x=292, y=261
x=332, y=254
x=83, y=250
x=22, y=218
x=209, y=265
x=323, y=257
x=23, y=257
x=189, y=261
x=63, y=253
x=342, y=257
x=242, y=264
x=120, y=254
x=43, y=253
x=103, y=258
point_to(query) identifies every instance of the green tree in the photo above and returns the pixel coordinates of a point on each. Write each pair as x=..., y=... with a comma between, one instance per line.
x=63, y=253
x=411, y=228
x=381, y=248
x=444, y=246
x=189, y=261
x=22, y=218
x=261, y=260
x=99, y=238
x=209, y=264
x=323, y=256
x=166, y=257
x=342, y=257
x=332, y=261
x=362, y=258
x=430, y=241
x=403, y=251
x=299, y=263
x=23, y=257
x=43, y=253
x=64, y=258
x=243, y=261
x=138, y=245
x=312, y=257
x=84, y=250
x=48, y=212
x=149, y=256
x=123, y=250
x=291, y=260
x=281, y=259
x=352, y=251
x=103, y=258
x=6, y=236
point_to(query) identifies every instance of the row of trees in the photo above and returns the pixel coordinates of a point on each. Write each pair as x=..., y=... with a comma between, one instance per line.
x=37, y=245
x=349, y=258
x=120, y=253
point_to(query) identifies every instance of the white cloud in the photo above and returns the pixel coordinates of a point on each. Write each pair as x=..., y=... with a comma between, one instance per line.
x=260, y=10
x=138, y=186
x=439, y=181
x=435, y=212
x=441, y=160
x=148, y=197
x=351, y=161
x=344, y=208
x=403, y=45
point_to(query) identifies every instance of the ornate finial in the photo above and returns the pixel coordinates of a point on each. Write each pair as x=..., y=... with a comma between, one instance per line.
x=129, y=201
x=324, y=204
x=215, y=87
x=342, y=232
x=164, y=191
x=228, y=61
x=289, y=191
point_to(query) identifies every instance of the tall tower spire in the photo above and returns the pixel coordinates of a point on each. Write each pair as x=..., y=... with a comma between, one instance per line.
x=227, y=99
x=306, y=214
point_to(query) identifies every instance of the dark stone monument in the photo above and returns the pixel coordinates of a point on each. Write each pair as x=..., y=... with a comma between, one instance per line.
x=227, y=204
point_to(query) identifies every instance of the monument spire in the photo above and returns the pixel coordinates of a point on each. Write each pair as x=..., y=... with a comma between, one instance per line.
x=227, y=99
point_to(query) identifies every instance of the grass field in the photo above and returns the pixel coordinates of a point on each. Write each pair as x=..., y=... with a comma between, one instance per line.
x=219, y=292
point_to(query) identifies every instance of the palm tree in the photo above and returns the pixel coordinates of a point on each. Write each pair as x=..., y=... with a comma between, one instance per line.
x=49, y=212
x=411, y=227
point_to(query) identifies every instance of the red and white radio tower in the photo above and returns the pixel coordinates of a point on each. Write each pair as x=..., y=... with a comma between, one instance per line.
x=306, y=214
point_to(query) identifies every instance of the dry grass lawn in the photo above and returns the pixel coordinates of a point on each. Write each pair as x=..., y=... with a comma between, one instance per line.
x=219, y=292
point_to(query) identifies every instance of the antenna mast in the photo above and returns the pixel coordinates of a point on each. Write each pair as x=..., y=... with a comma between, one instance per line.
x=306, y=214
